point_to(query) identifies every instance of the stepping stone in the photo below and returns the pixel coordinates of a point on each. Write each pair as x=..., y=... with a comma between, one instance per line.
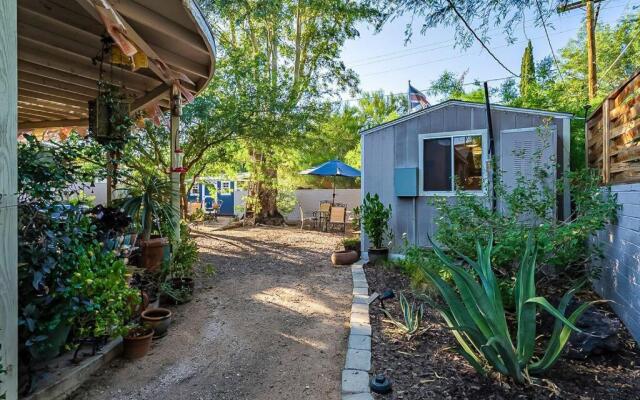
x=358, y=359
x=360, y=328
x=359, y=342
x=354, y=381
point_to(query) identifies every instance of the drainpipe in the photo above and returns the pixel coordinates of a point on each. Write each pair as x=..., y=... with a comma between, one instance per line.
x=491, y=147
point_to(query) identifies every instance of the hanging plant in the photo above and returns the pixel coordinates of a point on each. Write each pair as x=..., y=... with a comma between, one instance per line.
x=109, y=119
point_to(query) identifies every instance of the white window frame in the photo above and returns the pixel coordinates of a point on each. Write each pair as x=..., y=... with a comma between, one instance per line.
x=450, y=135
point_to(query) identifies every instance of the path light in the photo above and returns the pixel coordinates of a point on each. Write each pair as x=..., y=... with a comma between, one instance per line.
x=387, y=294
x=380, y=384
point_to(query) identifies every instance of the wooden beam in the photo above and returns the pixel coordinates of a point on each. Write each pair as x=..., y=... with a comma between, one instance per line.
x=61, y=76
x=51, y=106
x=64, y=94
x=8, y=200
x=56, y=99
x=48, y=114
x=53, y=57
x=55, y=124
x=161, y=92
x=56, y=85
x=155, y=21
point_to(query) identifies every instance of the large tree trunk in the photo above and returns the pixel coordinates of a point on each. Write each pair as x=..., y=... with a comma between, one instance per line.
x=263, y=193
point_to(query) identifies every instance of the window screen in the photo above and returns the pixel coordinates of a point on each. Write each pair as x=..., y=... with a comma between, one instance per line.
x=437, y=164
x=467, y=162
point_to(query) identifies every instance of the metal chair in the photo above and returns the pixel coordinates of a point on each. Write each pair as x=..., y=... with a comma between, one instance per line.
x=338, y=216
x=323, y=212
x=313, y=218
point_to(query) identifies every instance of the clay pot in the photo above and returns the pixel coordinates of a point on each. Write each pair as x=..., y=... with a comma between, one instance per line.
x=346, y=257
x=137, y=343
x=159, y=319
x=377, y=256
x=153, y=253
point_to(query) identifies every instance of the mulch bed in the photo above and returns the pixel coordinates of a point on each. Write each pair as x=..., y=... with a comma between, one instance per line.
x=426, y=366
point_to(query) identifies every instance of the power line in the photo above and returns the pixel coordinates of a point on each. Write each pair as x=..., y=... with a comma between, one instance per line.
x=455, y=10
x=544, y=25
x=456, y=57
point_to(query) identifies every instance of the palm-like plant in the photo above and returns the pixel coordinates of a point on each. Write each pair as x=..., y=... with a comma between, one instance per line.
x=150, y=203
x=476, y=316
x=411, y=315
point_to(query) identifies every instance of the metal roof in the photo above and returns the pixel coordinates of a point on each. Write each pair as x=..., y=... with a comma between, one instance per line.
x=464, y=104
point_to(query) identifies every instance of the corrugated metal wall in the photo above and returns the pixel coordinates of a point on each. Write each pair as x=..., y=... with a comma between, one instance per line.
x=396, y=146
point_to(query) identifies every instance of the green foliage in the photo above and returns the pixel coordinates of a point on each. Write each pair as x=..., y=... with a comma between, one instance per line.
x=103, y=301
x=527, y=70
x=562, y=244
x=375, y=219
x=149, y=203
x=356, y=218
x=411, y=314
x=185, y=255
x=475, y=313
x=179, y=295
x=352, y=243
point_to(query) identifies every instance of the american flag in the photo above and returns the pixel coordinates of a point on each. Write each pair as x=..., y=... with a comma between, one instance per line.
x=417, y=99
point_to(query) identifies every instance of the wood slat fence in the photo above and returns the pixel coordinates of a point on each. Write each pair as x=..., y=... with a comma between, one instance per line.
x=613, y=135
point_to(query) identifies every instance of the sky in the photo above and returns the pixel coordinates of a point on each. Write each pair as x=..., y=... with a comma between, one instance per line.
x=383, y=61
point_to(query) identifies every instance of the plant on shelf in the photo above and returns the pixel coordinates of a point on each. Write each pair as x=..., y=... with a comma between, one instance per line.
x=474, y=312
x=411, y=316
x=104, y=300
x=148, y=203
x=375, y=222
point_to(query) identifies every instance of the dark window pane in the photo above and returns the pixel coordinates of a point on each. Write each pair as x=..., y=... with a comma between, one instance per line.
x=437, y=164
x=467, y=162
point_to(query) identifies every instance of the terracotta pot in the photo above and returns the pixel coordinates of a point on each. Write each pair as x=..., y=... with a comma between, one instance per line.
x=152, y=253
x=346, y=257
x=137, y=343
x=377, y=256
x=159, y=319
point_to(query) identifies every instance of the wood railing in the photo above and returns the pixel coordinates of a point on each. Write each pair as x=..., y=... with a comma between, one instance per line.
x=613, y=135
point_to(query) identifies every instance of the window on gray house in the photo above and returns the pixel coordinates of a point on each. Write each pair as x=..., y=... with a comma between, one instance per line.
x=452, y=161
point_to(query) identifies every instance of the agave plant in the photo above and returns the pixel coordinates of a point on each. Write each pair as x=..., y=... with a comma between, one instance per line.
x=412, y=316
x=475, y=314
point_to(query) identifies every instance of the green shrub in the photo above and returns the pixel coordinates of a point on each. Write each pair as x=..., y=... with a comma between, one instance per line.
x=352, y=243
x=375, y=220
x=474, y=312
x=561, y=244
x=185, y=255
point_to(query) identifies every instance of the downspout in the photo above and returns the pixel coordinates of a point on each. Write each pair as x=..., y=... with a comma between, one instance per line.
x=491, y=148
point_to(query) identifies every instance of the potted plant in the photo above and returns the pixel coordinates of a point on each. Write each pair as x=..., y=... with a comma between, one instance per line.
x=178, y=285
x=149, y=203
x=159, y=319
x=375, y=222
x=347, y=253
x=137, y=341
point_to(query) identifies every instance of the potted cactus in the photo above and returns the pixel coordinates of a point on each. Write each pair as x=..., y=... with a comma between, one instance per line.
x=375, y=222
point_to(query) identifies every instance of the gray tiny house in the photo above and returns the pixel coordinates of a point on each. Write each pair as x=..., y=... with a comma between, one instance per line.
x=424, y=154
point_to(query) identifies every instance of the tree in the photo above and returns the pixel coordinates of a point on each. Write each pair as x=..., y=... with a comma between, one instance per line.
x=527, y=70
x=450, y=87
x=291, y=51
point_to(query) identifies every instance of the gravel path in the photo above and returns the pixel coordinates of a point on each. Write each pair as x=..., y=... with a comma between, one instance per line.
x=270, y=324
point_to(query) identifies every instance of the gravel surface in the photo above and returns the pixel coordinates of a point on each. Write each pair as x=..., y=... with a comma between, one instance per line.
x=272, y=323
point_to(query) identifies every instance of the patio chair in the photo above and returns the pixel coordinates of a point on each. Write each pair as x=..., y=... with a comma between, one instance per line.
x=323, y=212
x=338, y=216
x=303, y=219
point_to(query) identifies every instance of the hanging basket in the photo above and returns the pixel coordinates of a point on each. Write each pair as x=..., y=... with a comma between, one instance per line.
x=109, y=120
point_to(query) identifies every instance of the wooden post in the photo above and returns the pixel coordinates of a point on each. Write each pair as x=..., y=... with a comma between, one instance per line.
x=606, y=128
x=591, y=50
x=8, y=199
x=176, y=109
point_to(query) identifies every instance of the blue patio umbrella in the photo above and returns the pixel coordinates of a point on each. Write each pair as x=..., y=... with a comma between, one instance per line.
x=333, y=168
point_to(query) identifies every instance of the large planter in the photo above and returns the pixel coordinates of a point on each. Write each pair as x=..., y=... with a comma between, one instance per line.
x=137, y=343
x=159, y=319
x=377, y=256
x=346, y=257
x=51, y=347
x=153, y=253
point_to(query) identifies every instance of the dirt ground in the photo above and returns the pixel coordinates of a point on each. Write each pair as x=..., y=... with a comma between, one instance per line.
x=271, y=323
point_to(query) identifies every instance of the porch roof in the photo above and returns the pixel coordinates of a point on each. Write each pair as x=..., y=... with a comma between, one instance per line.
x=58, y=41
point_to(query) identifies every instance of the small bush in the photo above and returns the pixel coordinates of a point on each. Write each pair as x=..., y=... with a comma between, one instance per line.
x=375, y=220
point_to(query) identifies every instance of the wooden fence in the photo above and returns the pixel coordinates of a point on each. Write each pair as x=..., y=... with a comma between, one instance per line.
x=613, y=134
